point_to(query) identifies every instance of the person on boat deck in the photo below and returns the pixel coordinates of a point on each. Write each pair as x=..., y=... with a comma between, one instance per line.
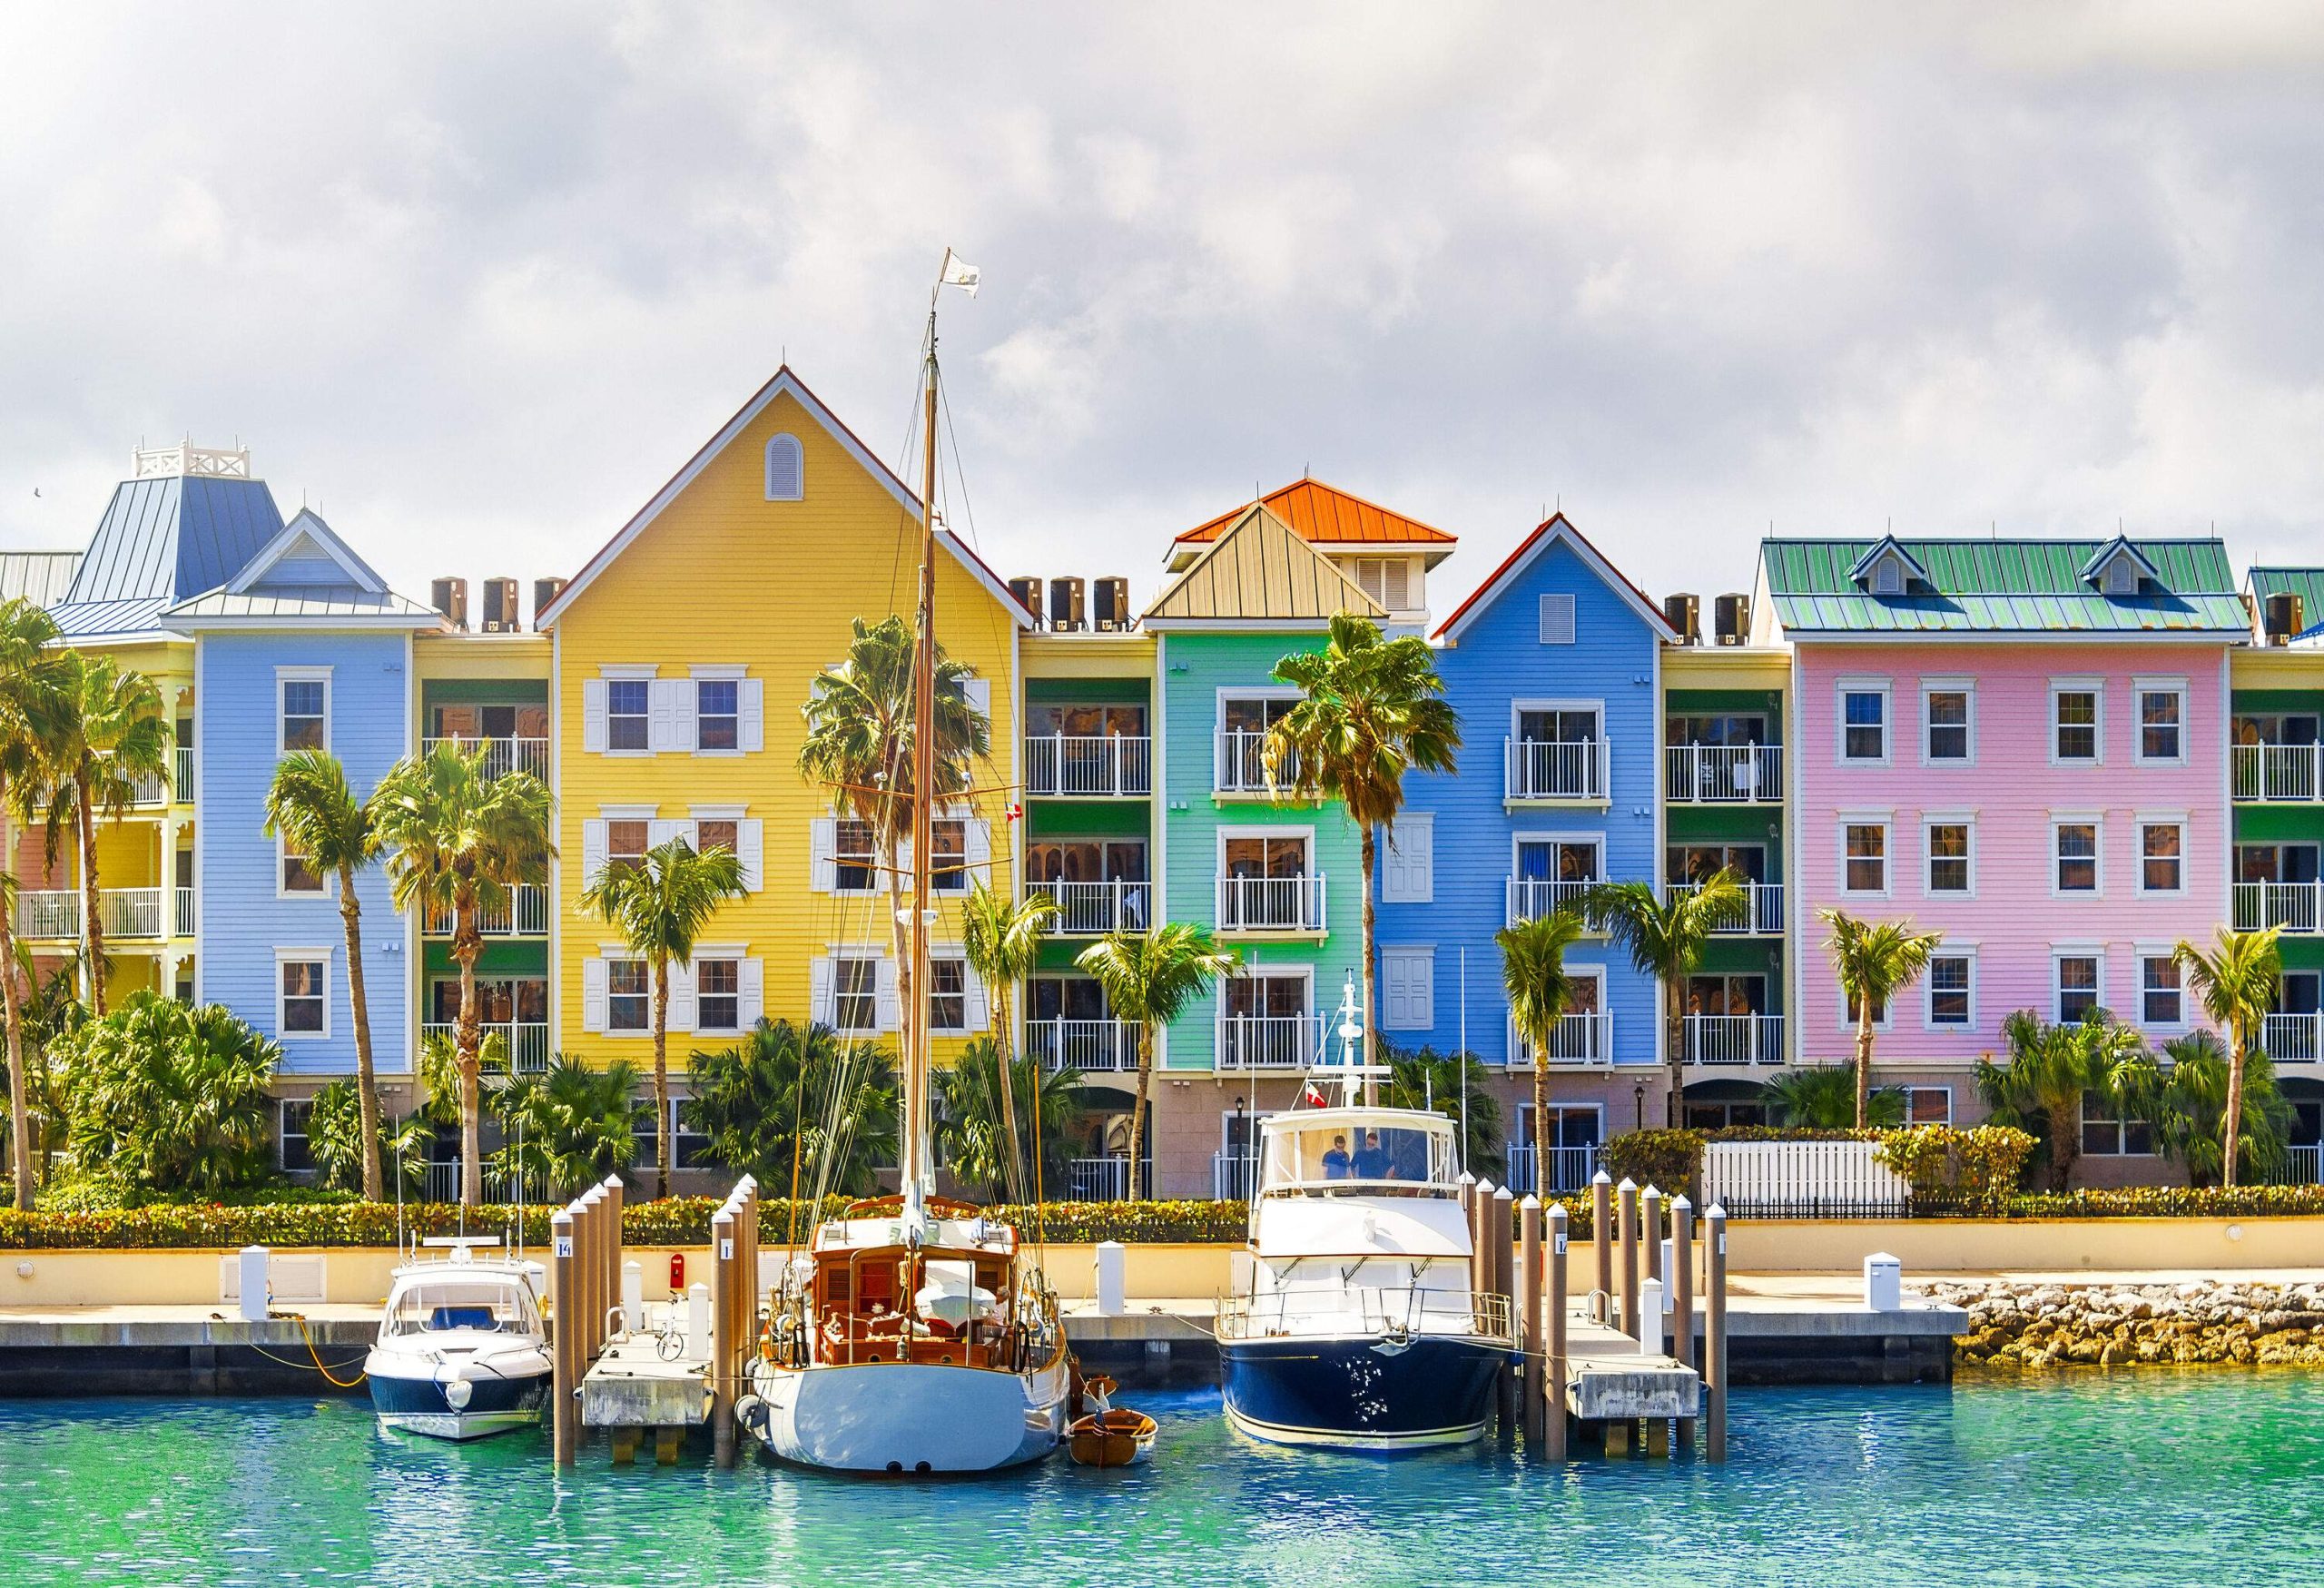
x=1336, y=1166
x=1371, y=1160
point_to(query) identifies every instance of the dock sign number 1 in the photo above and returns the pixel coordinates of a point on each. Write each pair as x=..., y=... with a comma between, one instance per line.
x=725, y=1252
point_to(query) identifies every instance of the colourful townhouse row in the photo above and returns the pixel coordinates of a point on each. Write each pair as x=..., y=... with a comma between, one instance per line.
x=2065, y=755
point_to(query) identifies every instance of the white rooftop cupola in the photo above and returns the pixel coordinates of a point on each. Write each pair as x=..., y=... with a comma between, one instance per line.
x=1888, y=569
x=183, y=458
x=2119, y=568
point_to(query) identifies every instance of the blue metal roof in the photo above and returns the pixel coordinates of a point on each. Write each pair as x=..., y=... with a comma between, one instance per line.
x=163, y=541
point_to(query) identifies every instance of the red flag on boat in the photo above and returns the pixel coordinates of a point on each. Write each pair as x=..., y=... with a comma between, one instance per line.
x=1314, y=1097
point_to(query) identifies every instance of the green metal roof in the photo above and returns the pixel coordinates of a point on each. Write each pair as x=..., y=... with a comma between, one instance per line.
x=2307, y=584
x=2003, y=587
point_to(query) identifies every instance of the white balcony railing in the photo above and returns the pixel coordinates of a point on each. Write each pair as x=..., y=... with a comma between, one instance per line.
x=1579, y=1038
x=1097, y=1179
x=1084, y=1044
x=1083, y=767
x=1090, y=908
x=123, y=912
x=1722, y=773
x=1271, y=904
x=501, y=757
x=1763, y=908
x=149, y=788
x=2277, y=772
x=524, y=913
x=1268, y=1041
x=1234, y=1176
x=184, y=759
x=526, y=1041
x=2293, y=1038
x=1731, y=1039
x=1530, y=898
x=1556, y=769
x=2304, y=1164
x=1239, y=764
x=2297, y=907
x=1570, y=1167
x=182, y=910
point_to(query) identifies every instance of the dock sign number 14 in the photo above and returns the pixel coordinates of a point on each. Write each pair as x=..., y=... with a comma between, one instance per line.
x=564, y=1246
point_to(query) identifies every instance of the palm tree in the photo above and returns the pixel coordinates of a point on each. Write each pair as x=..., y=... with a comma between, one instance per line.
x=983, y=1143
x=1426, y=1078
x=457, y=840
x=1371, y=709
x=568, y=1127
x=860, y=743
x=1148, y=978
x=660, y=906
x=1822, y=1097
x=1666, y=936
x=788, y=1100
x=2186, y=1101
x=2051, y=1069
x=1001, y=939
x=31, y=696
x=336, y=1142
x=110, y=734
x=1533, y=973
x=2235, y=980
x=321, y=819
x=167, y=1098
x=1875, y=962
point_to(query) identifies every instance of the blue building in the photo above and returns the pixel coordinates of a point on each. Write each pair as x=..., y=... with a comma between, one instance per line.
x=1555, y=666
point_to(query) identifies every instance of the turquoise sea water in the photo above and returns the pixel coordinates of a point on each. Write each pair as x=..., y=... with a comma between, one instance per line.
x=2213, y=1478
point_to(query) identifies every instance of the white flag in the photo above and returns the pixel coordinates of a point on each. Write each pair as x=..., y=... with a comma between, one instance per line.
x=958, y=272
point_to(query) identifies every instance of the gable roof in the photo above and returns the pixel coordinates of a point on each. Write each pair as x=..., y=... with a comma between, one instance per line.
x=1259, y=571
x=307, y=536
x=2119, y=547
x=783, y=382
x=2307, y=583
x=1556, y=530
x=1888, y=545
x=1324, y=515
x=162, y=541
x=1999, y=587
x=305, y=595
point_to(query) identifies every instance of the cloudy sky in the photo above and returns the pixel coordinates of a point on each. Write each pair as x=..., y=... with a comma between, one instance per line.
x=482, y=277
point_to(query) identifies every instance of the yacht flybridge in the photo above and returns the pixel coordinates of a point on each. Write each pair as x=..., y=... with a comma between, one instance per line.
x=1358, y=1323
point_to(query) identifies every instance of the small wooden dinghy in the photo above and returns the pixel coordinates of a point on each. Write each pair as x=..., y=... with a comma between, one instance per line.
x=1116, y=1437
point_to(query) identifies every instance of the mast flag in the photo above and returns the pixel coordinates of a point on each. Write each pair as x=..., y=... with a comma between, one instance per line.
x=958, y=272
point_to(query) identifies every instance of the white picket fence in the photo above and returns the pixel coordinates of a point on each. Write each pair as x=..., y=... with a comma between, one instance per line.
x=1802, y=1179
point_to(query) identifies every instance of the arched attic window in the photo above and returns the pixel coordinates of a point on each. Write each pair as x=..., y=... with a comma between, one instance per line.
x=786, y=468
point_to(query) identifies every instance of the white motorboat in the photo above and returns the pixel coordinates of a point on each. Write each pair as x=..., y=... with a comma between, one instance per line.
x=461, y=1352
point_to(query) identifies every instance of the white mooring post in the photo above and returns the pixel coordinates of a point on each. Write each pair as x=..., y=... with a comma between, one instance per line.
x=1883, y=1283
x=633, y=1297
x=1650, y=1322
x=698, y=1321
x=249, y=1273
x=1113, y=1279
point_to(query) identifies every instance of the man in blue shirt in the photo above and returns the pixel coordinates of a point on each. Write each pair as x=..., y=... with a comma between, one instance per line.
x=1370, y=1163
x=1335, y=1161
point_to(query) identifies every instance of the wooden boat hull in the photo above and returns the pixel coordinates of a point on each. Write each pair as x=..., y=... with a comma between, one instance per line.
x=1117, y=1438
x=906, y=1419
x=1348, y=1390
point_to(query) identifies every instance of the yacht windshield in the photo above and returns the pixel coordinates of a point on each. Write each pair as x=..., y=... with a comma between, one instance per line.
x=1377, y=1157
x=500, y=1307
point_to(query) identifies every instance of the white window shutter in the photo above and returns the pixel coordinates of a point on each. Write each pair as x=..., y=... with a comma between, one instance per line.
x=823, y=862
x=820, y=1008
x=1393, y=1014
x=980, y=696
x=1395, y=584
x=979, y=1007
x=660, y=831
x=593, y=995
x=681, y=997
x=1557, y=620
x=891, y=1005
x=749, y=704
x=592, y=850
x=750, y=1000
x=593, y=715
x=684, y=695
x=662, y=720
x=979, y=847
x=1408, y=874
x=1423, y=991
x=750, y=836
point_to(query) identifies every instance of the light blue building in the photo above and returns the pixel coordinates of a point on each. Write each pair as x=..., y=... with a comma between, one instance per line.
x=1555, y=666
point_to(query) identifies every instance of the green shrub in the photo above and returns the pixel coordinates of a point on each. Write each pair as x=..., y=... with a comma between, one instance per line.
x=1978, y=1165
x=1671, y=1159
x=169, y=1098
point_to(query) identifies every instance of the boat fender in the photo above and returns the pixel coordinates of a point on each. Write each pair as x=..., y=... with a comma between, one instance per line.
x=751, y=1412
x=457, y=1393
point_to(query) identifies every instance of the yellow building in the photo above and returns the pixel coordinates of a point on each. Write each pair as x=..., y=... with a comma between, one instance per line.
x=682, y=654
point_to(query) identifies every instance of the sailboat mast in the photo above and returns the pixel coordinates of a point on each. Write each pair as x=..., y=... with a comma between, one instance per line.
x=920, y=1077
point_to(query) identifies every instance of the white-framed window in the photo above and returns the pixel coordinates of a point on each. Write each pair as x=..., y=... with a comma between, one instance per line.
x=2163, y=995
x=2077, y=721
x=717, y=715
x=948, y=994
x=717, y=995
x=855, y=993
x=302, y=994
x=857, y=857
x=948, y=861
x=1408, y=989
x=293, y=877
x=1951, y=843
x=1388, y=580
x=1948, y=722
x=1557, y=620
x=629, y=996
x=1952, y=982
x=2107, y=1133
x=293, y=1153
x=1864, y=854
x=718, y=832
x=1880, y=1011
x=2162, y=722
x=786, y=468
x=626, y=840
x=1928, y=1105
x=2077, y=983
x=1863, y=706
x=2075, y=855
x=689, y=1148
x=629, y=716
x=2162, y=854
x=303, y=709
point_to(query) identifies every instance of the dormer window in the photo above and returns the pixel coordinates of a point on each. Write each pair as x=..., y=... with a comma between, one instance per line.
x=1886, y=568
x=2120, y=577
x=1388, y=580
x=1887, y=578
x=2119, y=568
x=786, y=468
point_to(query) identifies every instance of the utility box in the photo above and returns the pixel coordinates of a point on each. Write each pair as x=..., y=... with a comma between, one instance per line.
x=1883, y=1283
x=1113, y=1279
x=253, y=1298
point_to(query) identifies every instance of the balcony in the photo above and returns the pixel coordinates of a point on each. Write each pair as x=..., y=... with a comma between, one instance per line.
x=122, y=913
x=2304, y=1163
x=2293, y=1038
x=183, y=756
x=2264, y=772
x=1280, y=904
x=2297, y=907
x=1268, y=1041
x=526, y=1041
x=524, y=913
x=501, y=757
x=1530, y=898
x=1083, y=1044
x=1113, y=767
x=1730, y=1039
x=1763, y=908
x=1570, y=1169
x=1234, y=1176
x=1093, y=909
x=1579, y=1038
x=1239, y=764
x=1097, y=1179
x=184, y=912
x=1724, y=774
x=1555, y=771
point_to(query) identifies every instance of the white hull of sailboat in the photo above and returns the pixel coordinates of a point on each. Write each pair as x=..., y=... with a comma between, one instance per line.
x=906, y=1419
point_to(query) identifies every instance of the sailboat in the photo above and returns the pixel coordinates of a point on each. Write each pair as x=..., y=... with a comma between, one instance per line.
x=915, y=1335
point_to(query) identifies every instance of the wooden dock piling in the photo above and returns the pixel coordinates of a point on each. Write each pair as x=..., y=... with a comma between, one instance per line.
x=1601, y=1244
x=1480, y=1237
x=613, y=1254
x=1625, y=1216
x=1715, y=1334
x=1682, y=1296
x=1528, y=1315
x=724, y=1305
x=1553, y=1409
x=1504, y=1220
x=565, y=1352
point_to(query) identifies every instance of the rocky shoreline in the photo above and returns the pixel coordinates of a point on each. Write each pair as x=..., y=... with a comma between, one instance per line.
x=2026, y=1326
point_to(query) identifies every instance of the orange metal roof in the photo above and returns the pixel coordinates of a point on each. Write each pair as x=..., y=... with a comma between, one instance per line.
x=1328, y=515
